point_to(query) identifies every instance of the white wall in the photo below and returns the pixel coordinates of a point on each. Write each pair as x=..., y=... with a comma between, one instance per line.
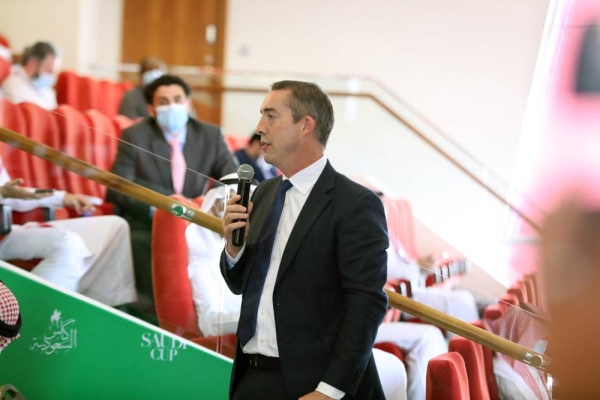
x=25, y=22
x=466, y=64
x=87, y=32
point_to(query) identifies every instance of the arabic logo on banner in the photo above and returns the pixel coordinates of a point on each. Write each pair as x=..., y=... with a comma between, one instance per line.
x=61, y=336
x=163, y=347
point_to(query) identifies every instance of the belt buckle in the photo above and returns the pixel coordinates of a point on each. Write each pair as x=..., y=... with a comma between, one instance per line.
x=254, y=361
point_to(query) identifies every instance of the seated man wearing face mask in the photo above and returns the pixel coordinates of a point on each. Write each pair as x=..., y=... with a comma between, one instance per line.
x=218, y=309
x=155, y=153
x=32, y=80
x=133, y=104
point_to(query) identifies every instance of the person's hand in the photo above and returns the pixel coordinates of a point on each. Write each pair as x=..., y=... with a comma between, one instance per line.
x=314, y=395
x=78, y=202
x=427, y=262
x=234, y=212
x=13, y=190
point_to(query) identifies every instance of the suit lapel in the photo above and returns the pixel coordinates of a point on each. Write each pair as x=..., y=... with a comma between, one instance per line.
x=314, y=206
x=160, y=147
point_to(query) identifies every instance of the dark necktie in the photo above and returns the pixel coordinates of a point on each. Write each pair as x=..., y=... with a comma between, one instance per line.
x=253, y=292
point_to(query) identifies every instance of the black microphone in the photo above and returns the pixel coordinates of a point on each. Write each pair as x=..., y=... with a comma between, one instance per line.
x=245, y=174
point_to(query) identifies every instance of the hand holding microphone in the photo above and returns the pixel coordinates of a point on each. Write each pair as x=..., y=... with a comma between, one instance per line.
x=232, y=213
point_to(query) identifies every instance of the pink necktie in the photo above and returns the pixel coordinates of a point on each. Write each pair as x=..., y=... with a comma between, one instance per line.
x=178, y=165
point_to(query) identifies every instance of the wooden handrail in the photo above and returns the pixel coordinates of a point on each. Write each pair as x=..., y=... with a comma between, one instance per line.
x=111, y=180
x=464, y=329
x=395, y=115
x=169, y=205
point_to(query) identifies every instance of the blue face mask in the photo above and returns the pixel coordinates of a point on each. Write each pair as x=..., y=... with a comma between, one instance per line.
x=44, y=81
x=172, y=117
x=149, y=76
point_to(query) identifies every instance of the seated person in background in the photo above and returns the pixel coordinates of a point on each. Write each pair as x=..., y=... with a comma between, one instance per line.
x=10, y=318
x=218, y=309
x=457, y=303
x=33, y=79
x=197, y=151
x=252, y=155
x=90, y=255
x=134, y=104
x=517, y=380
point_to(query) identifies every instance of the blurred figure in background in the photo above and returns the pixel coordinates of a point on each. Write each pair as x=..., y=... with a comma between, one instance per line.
x=33, y=79
x=134, y=104
x=170, y=153
x=10, y=317
x=571, y=266
x=252, y=155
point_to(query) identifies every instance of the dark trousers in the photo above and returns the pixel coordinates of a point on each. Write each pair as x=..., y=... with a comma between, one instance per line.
x=257, y=384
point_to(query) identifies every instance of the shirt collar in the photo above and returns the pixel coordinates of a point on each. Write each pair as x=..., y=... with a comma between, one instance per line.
x=181, y=135
x=304, y=180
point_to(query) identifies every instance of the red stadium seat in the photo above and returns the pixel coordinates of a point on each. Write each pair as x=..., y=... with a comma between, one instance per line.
x=67, y=90
x=122, y=122
x=104, y=142
x=75, y=139
x=390, y=348
x=472, y=354
x=5, y=67
x=447, y=378
x=15, y=161
x=41, y=126
x=172, y=289
x=401, y=224
x=493, y=311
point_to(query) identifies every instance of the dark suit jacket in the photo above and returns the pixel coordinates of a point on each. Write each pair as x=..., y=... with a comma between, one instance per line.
x=205, y=151
x=328, y=299
x=243, y=158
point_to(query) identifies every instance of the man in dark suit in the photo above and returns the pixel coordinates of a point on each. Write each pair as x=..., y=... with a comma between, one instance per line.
x=312, y=279
x=252, y=155
x=170, y=153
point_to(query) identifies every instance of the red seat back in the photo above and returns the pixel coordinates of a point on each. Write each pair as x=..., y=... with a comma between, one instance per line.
x=5, y=67
x=472, y=354
x=104, y=142
x=391, y=348
x=122, y=122
x=67, y=90
x=15, y=161
x=447, y=378
x=401, y=224
x=42, y=127
x=488, y=361
x=75, y=137
x=172, y=289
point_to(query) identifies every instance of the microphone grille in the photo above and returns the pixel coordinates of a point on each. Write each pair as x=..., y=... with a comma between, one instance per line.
x=245, y=172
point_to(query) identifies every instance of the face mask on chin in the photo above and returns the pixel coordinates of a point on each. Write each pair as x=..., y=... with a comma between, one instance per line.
x=44, y=80
x=172, y=117
x=149, y=76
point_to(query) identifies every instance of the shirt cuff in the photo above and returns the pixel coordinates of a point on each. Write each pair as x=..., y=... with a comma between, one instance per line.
x=330, y=391
x=230, y=260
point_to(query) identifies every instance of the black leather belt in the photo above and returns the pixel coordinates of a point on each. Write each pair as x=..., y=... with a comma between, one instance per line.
x=258, y=361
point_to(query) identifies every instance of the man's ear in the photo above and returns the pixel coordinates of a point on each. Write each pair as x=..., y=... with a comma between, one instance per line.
x=308, y=124
x=151, y=111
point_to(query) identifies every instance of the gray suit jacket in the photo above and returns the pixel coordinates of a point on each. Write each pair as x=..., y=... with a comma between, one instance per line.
x=205, y=151
x=328, y=298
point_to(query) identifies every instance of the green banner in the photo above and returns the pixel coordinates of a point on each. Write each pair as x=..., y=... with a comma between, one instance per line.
x=72, y=347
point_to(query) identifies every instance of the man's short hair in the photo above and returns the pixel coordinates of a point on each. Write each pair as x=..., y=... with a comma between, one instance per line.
x=308, y=99
x=150, y=62
x=165, y=80
x=254, y=138
x=39, y=51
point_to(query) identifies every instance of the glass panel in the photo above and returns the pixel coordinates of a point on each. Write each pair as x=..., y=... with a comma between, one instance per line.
x=367, y=135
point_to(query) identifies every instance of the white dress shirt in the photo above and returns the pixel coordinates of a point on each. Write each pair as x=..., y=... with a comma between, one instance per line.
x=265, y=340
